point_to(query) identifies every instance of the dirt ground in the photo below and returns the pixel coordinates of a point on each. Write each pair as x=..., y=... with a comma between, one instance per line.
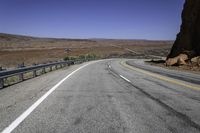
x=15, y=50
x=190, y=67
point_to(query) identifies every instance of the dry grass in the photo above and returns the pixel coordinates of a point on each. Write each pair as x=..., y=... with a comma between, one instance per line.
x=17, y=49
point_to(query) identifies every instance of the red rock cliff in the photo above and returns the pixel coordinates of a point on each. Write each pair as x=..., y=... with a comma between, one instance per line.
x=188, y=39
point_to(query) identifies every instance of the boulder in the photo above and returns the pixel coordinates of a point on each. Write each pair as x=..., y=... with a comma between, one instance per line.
x=196, y=60
x=178, y=60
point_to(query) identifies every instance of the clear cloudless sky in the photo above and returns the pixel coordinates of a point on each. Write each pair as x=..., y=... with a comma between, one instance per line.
x=120, y=19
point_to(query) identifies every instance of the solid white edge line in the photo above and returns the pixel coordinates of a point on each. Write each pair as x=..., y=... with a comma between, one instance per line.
x=124, y=78
x=21, y=118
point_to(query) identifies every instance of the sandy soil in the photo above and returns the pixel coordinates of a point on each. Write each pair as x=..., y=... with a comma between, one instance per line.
x=17, y=49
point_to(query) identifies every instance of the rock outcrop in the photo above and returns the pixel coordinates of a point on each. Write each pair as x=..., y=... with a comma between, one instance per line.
x=187, y=44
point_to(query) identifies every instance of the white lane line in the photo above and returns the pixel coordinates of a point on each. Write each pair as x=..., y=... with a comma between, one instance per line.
x=125, y=78
x=21, y=118
x=109, y=66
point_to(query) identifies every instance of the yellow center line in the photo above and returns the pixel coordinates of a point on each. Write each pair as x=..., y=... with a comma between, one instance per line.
x=170, y=80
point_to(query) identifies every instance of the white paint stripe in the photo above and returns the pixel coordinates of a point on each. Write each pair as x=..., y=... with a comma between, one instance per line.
x=109, y=66
x=124, y=78
x=21, y=118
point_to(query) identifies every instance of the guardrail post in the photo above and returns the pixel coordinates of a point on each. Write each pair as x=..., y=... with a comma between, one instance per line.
x=1, y=83
x=34, y=73
x=21, y=77
x=43, y=70
x=56, y=67
x=50, y=68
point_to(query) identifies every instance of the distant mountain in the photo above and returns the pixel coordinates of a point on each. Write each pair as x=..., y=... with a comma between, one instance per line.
x=4, y=37
x=11, y=37
x=19, y=38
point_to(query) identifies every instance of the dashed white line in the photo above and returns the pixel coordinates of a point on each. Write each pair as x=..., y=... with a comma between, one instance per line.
x=21, y=118
x=125, y=78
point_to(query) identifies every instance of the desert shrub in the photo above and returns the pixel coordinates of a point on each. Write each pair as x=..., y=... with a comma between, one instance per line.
x=91, y=56
x=67, y=58
x=81, y=57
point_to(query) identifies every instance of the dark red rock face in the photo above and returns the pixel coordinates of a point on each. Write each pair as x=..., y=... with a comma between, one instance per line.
x=188, y=39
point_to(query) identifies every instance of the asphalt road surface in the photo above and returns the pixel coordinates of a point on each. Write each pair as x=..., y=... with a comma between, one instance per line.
x=107, y=96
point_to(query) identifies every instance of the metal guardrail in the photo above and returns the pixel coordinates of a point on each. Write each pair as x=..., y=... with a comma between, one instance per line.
x=21, y=71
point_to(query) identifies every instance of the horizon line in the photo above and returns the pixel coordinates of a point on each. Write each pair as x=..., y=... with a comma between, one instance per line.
x=91, y=38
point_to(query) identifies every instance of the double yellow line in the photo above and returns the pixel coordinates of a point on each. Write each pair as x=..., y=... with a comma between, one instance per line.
x=170, y=80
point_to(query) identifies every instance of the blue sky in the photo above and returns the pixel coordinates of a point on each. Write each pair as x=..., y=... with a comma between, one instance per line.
x=120, y=19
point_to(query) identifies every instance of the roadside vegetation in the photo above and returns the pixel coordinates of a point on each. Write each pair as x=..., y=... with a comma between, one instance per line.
x=86, y=57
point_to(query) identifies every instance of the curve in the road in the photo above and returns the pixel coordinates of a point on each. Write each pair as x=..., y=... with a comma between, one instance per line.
x=160, y=77
x=177, y=113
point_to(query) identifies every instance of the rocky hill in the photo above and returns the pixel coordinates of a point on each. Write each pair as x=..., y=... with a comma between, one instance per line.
x=187, y=44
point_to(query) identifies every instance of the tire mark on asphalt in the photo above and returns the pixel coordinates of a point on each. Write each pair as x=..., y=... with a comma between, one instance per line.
x=78, y=120
x=174, y=90
x=178, y=114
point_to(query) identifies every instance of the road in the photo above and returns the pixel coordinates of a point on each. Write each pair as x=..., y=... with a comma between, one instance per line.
x=107, y=96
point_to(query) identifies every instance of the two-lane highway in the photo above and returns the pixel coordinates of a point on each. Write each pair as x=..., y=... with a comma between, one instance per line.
x=106, y=96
